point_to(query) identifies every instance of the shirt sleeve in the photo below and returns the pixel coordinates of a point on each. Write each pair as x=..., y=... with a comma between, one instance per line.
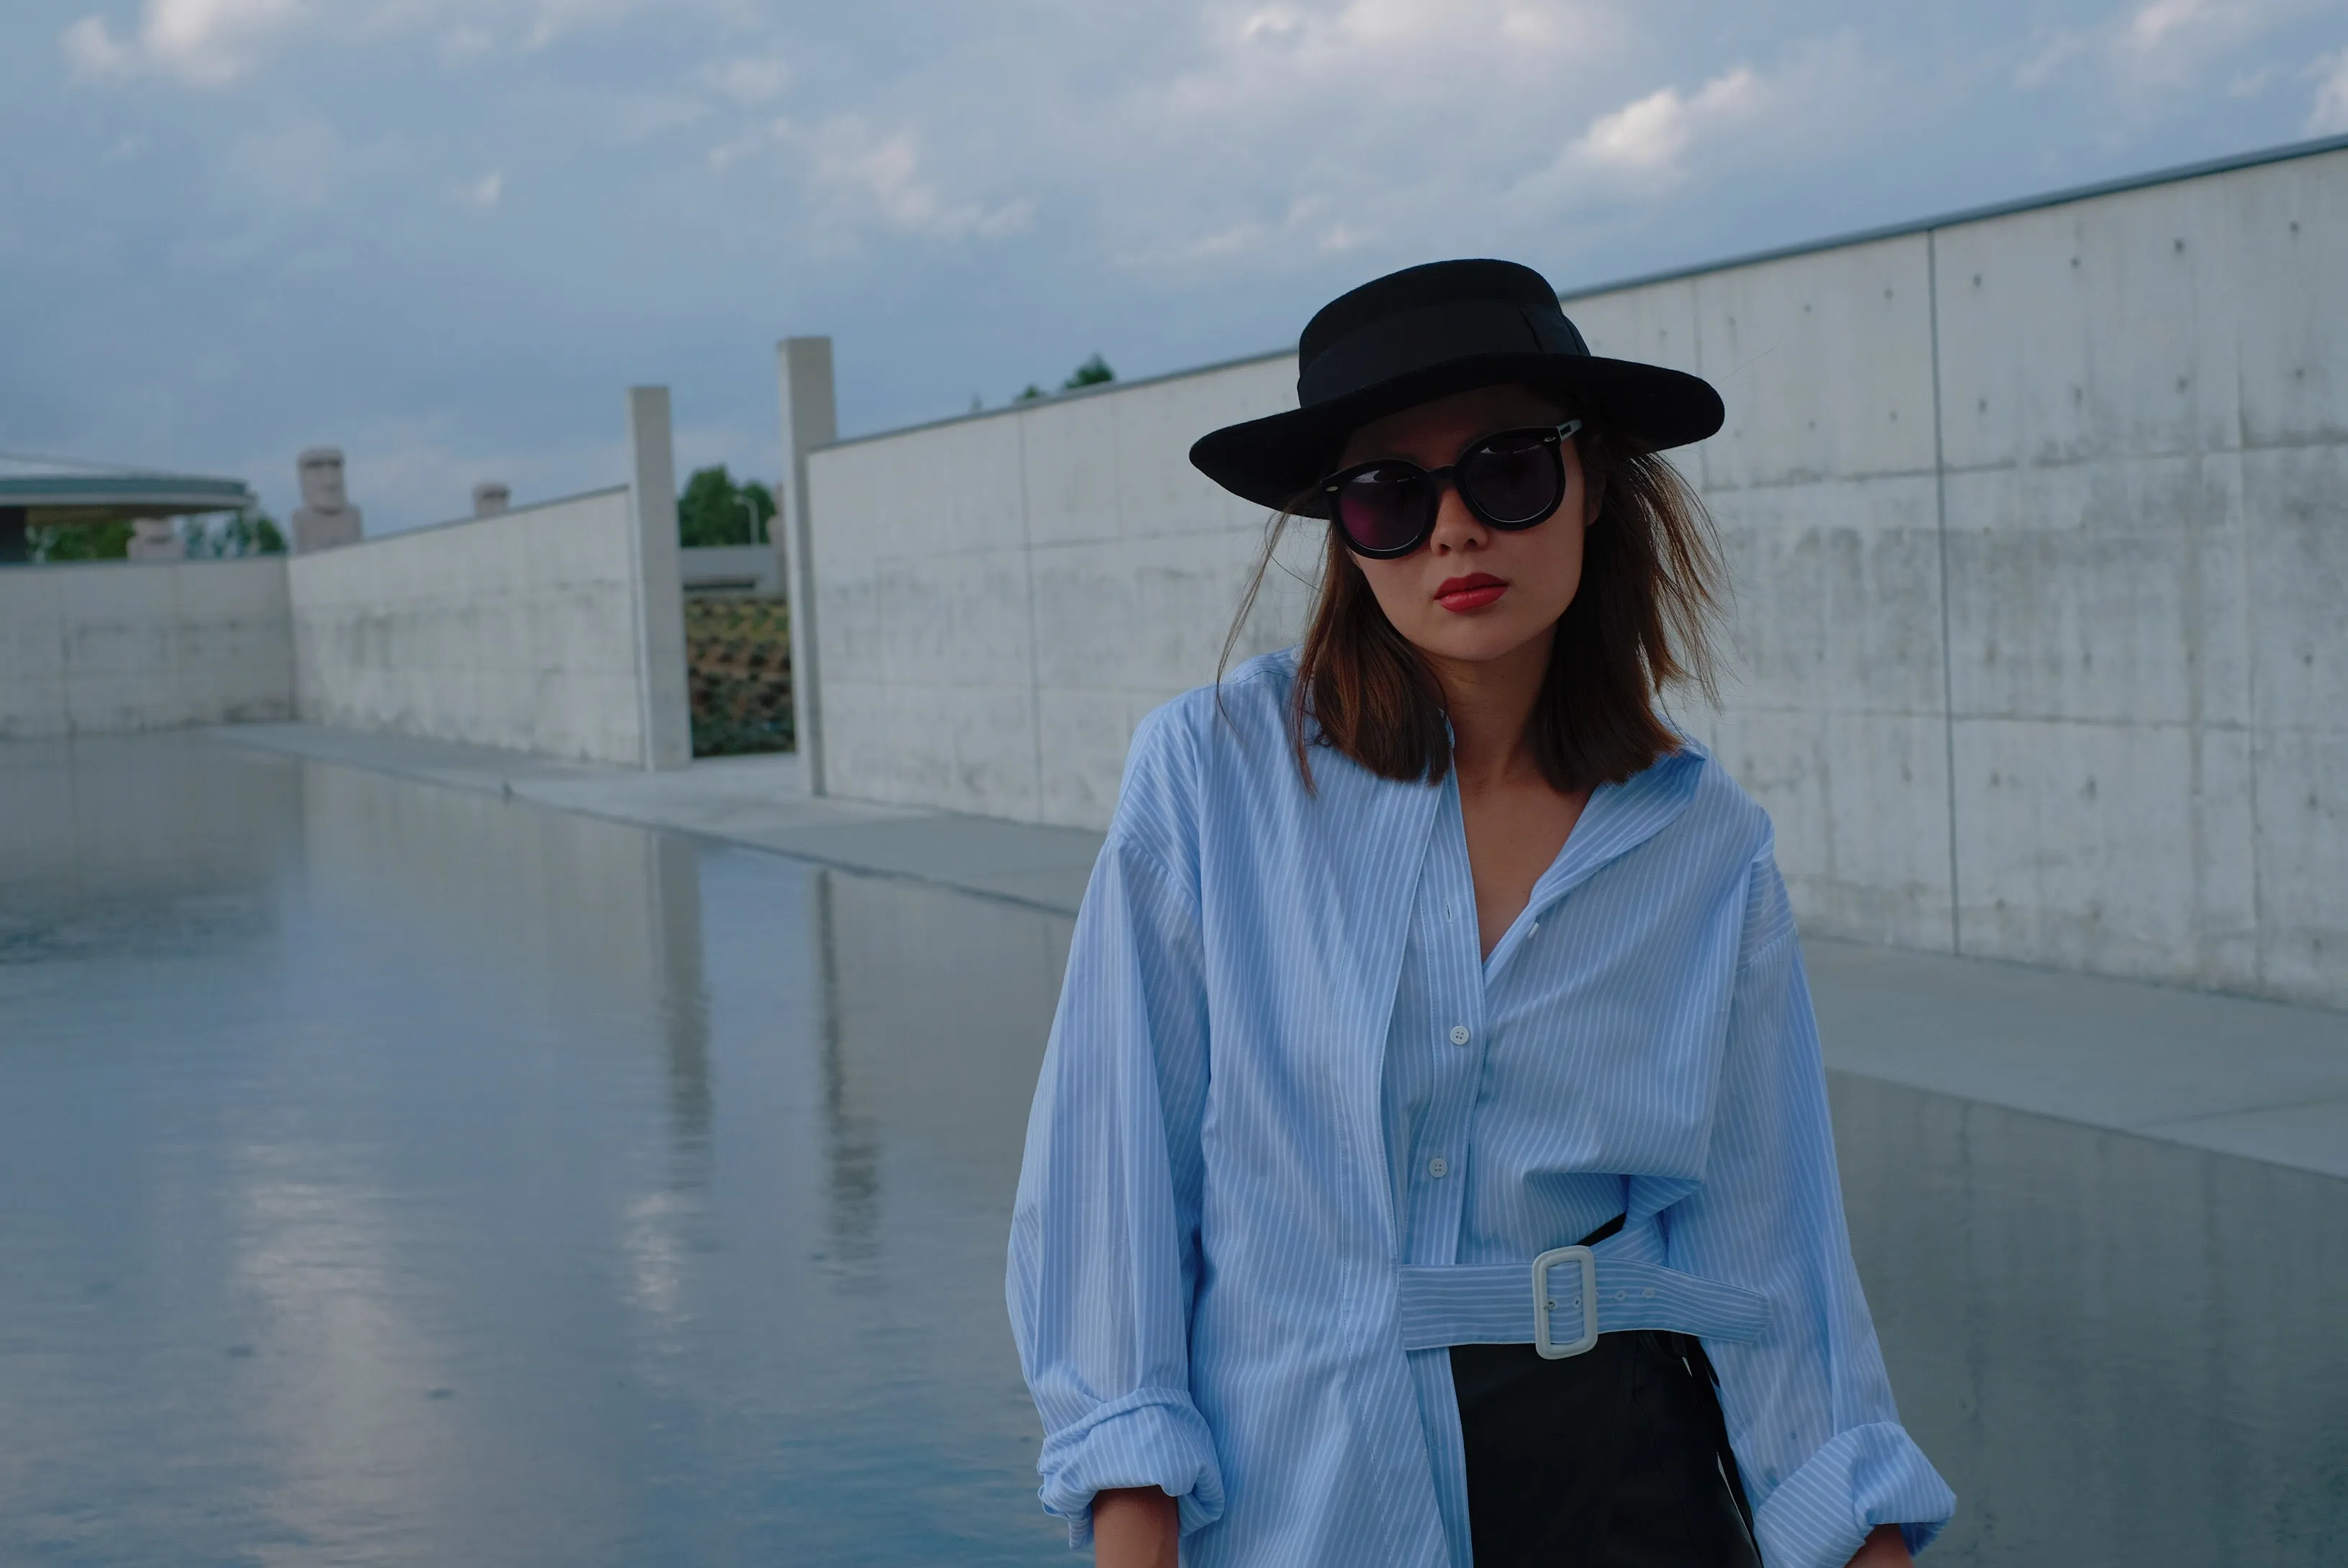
x=1105, y=1232
x=1808, y=1408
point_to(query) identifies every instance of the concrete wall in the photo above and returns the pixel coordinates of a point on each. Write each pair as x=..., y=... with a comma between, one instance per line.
x=556, y=629
x=115, y=645
x=2039, y=528
x=1001, y=598
x=511, y=631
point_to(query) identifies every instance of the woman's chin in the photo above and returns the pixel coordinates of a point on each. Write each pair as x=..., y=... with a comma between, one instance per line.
x=1474, y=639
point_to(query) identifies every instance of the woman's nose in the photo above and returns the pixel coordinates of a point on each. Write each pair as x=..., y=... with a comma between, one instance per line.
x=1456, y=528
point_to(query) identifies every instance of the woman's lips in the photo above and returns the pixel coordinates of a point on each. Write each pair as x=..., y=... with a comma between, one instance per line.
x=1475, y=592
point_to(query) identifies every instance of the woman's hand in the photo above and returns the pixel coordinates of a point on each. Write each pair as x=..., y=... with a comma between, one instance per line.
x=1885, y=1548
x=1141, y=1527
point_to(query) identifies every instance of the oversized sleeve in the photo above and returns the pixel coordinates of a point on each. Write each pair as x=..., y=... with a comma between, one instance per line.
x=1808, y=1408
x=1105, y=1232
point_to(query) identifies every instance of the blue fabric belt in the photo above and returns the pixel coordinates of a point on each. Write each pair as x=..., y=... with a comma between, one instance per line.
x=1492, y=1303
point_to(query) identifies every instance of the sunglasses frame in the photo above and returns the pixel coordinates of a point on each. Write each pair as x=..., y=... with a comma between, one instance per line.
x=1553, y=437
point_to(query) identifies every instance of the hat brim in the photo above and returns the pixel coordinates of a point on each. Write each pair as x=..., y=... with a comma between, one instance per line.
x=1275, y=461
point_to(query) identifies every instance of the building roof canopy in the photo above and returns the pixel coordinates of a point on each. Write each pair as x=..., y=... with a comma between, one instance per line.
x=72, y=498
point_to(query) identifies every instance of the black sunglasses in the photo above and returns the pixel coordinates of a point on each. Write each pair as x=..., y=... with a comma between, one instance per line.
x=1511, y=480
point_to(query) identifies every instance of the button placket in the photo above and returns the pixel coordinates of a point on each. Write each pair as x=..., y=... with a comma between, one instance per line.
x=1457, y=1034
x=1447, y=1009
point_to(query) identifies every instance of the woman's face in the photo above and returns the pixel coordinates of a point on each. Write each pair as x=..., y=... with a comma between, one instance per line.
x=1472, y=593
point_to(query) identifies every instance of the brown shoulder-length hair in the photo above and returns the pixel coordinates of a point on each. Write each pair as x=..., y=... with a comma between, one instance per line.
x=1641, y=620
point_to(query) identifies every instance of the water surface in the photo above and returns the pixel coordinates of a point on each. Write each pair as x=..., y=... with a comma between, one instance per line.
x=394, y=1175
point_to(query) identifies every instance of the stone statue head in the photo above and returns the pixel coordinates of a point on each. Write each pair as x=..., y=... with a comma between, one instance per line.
x=491, y=497
x=320, y=469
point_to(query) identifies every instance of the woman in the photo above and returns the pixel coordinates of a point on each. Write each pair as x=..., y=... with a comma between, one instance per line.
x=1434, y=1102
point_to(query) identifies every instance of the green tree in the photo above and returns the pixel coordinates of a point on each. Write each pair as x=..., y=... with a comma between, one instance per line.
x=1093, y=372
x=249, y=532
x=79, y=541
x=714, y=510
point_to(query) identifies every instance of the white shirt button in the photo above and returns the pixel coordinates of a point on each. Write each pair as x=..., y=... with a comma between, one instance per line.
x=1438, y=1167
x=1458, y=1033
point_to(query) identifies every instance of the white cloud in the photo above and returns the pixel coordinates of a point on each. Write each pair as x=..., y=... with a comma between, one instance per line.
x=877, y=174
x=2329, y=114
x=204, y=42
x=483, y=192
x=1650, y=135
x=2151, y=25
x=302, y=163
x=748, y=79
x=556, y=17
x=91, y=53
x=463, y=43
x=2162, y=43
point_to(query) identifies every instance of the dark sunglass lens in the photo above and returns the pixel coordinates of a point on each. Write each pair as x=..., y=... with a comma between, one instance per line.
x=1382, y=508
x=1514, y=478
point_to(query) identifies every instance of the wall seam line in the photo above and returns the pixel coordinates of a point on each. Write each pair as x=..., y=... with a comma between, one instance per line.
x=1940, y=533
x=1035, y=638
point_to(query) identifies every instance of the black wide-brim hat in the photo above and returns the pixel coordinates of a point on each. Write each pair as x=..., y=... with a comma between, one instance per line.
x=1428, y=332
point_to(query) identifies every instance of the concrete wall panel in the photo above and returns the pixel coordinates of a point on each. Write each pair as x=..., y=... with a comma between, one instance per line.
x=1068, y=456
x=2284, y=226
x=1825, y=362
x=1837, y=595
x=2038, y=531
x=973, y=743
x=515, y=631
x=2111, y=590
x=2301, y=802
x=1000, y=599
x=109, y=646
x=1655, y=323
x=2125, y=848
x=2294, y=505
x=2088, y=331
x=1860, y=805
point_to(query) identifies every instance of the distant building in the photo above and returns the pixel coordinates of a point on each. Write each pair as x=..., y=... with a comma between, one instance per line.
x=36, y=494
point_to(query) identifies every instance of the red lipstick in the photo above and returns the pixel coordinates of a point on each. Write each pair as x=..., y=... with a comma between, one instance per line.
x=1477, y=591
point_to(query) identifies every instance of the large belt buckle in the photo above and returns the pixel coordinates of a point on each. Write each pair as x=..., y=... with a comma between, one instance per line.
x=1551, y=1349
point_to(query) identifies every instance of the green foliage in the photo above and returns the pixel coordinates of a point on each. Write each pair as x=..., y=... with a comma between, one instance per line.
x=1093, y=372
x=737, y=658
x=79, y=541
x=249, y=532
x=714, y=510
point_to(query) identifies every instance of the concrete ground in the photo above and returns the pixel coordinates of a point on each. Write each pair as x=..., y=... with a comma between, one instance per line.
x=2259, y=1080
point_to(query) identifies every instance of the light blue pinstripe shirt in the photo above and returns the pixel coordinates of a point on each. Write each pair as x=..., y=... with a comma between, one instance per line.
x=1284, y=1091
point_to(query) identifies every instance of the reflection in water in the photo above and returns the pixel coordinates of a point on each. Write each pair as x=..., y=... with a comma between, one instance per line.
x=394, y=1175
x=2122, y=1351
x=851, y=1142
x=685, y=1004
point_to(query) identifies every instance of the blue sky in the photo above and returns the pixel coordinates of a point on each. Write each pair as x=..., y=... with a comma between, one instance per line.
x=447, y=233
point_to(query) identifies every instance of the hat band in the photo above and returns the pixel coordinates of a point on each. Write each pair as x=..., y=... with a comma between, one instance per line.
x=1414, y=339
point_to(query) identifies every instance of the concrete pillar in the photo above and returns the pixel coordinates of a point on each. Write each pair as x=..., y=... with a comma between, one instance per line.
x=810, y=419
x=666, y=720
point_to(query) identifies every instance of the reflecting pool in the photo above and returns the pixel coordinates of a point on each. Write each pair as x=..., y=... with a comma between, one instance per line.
x=395, y=1175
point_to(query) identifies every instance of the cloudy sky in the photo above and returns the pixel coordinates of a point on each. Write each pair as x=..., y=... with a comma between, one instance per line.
x=446, y=234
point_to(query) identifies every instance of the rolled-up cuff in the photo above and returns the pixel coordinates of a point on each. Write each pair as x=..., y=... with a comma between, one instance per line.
x=1152, y=1437
x=1869, y=1476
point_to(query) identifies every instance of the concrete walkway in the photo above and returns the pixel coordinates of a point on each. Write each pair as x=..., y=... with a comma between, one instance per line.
x=756, y=801
x=2259, y=1079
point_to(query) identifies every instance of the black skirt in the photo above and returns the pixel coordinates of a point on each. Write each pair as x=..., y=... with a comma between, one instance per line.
x=1616, y=1457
